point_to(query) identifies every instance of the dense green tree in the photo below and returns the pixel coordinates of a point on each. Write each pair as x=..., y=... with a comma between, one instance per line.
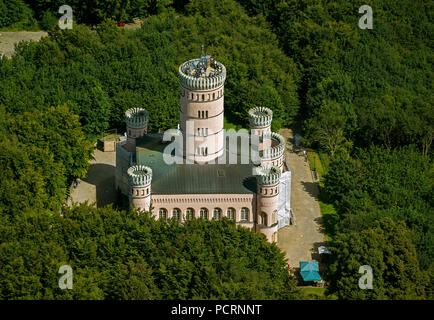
x=383, y=183
x=388, y=249
x=361, y=69
x=15, y=14
x=327, y=127
x=57, y=130
x=119, y=255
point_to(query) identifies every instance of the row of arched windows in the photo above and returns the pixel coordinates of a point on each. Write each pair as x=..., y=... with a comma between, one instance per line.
x=202, y=151
x=202, y=96
x=142, y=192
x=274, y=190
x=202, y=132
x=277, y=162
x=204, y=214
x=202, y=114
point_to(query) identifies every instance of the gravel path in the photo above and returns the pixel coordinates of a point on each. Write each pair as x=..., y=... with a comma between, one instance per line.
x=301, y=241
x=9, y=38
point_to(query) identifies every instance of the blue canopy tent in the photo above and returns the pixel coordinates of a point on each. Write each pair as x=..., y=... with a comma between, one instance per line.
x=309, y=271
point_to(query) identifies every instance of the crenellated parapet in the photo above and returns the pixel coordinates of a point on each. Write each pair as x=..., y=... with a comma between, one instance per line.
x=200, y=74
x=139, y=180
x=260, y=117
x=136, y=117
x=139, y=176
x=268, y=175
x=274, y=146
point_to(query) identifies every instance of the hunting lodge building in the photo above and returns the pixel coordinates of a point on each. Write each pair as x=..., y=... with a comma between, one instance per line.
x=201, y=189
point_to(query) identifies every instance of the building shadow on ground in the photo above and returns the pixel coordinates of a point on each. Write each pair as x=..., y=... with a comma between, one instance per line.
x=311, y=188
x=102, y=176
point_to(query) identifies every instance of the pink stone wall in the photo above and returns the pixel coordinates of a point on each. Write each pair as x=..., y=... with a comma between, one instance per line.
x=278, y=162
x=267, y=201
x=140, y=197
x=270, y=232
x=208, y=201
x=136, y=132
x=259, y=131
x=205, y=108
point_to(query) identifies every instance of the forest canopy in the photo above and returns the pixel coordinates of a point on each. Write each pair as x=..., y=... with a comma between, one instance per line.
x=120, y=255
x=364, y=97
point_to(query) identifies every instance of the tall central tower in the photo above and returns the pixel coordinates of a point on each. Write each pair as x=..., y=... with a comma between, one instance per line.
x=201, y=115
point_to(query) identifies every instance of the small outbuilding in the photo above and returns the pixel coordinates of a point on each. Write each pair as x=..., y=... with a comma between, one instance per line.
x=309, y=271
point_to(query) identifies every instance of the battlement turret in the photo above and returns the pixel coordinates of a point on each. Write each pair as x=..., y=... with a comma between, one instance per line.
x=139, y=179
x=136, y=119
x=267, y=201
x=202, y=74
x=268, y=176
x=273, y=148
x=202, y=113
x=260, y=120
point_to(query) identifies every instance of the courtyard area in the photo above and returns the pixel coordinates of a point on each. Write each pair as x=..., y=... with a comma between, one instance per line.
x=99, y=185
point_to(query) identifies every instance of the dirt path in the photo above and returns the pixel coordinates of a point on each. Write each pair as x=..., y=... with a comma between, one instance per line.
x=9, y=38
x=301, y=241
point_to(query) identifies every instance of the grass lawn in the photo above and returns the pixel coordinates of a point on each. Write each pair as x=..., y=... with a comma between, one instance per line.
x=329, y=215
x=315, y=163
x=313, y=293
x=320, y=162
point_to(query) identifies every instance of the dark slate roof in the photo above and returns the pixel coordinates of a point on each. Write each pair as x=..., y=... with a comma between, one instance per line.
x=192, y=178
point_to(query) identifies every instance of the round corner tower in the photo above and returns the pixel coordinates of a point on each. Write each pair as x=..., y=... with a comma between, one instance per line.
x=201, y=114
x=268, y=183
x=139, y=180
x=260, y=120
x=136, y=120
x=273, y=150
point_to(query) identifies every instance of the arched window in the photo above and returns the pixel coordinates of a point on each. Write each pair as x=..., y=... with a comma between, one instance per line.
x=176, y=213
x=217, y=213
x=213, y=96
x=203, y=114
x=203, y=213
x=231, y=213
x=189, y=214
x=264, y=218
x=203, y=97
x=274, y=217
x=162, y=214
x=198, y=113
x=244, y=214
x=206, y=114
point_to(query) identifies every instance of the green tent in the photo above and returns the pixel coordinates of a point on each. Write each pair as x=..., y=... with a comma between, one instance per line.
x=309, y=270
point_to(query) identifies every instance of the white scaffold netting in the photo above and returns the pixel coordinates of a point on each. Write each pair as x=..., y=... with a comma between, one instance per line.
x=284, y=200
